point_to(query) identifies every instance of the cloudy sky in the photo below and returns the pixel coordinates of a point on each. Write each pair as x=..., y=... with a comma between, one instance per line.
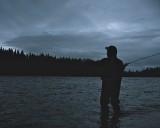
x=82, y=28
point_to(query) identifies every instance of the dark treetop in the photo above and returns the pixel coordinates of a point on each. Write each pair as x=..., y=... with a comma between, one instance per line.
x=14, y=62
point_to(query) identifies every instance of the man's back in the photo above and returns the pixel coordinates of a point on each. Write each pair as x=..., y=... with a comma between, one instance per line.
x=111, y=68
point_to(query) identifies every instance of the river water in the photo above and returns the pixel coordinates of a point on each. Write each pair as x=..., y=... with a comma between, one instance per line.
x=73, y=102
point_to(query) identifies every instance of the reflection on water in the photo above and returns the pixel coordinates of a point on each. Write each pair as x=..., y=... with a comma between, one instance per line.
x=73, y=102
x=110, y=122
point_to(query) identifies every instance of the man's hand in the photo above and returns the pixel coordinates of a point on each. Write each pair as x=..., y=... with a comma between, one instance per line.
x=126, y=64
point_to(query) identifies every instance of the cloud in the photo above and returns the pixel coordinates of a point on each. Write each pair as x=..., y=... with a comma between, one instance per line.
x=81, y=28
x=134, y=42
x=60, y=45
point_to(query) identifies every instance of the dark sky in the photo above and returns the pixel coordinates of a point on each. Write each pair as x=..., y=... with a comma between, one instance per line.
x=82, y=28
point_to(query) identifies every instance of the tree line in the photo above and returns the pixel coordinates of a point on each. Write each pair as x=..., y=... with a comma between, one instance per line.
x=15, y=62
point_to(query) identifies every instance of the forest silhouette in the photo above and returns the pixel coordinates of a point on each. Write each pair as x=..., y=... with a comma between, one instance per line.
x=17, y=63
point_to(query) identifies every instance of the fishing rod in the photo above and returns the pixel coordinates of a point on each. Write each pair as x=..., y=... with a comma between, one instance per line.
x=142, y=59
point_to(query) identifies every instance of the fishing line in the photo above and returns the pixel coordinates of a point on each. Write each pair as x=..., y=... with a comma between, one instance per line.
x=143, y=58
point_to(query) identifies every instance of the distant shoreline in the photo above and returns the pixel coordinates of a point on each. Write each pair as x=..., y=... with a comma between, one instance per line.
x=64, y=76
x=16, y=63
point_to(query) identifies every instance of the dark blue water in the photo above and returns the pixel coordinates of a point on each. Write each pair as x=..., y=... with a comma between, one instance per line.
x=73, y=102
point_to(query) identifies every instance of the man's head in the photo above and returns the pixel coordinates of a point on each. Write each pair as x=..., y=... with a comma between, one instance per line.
x=111, y=51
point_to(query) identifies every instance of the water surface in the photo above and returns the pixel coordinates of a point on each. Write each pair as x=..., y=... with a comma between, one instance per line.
x=73, y=102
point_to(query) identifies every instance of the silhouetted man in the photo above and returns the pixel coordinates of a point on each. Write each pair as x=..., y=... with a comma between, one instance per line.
x=111, y=75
